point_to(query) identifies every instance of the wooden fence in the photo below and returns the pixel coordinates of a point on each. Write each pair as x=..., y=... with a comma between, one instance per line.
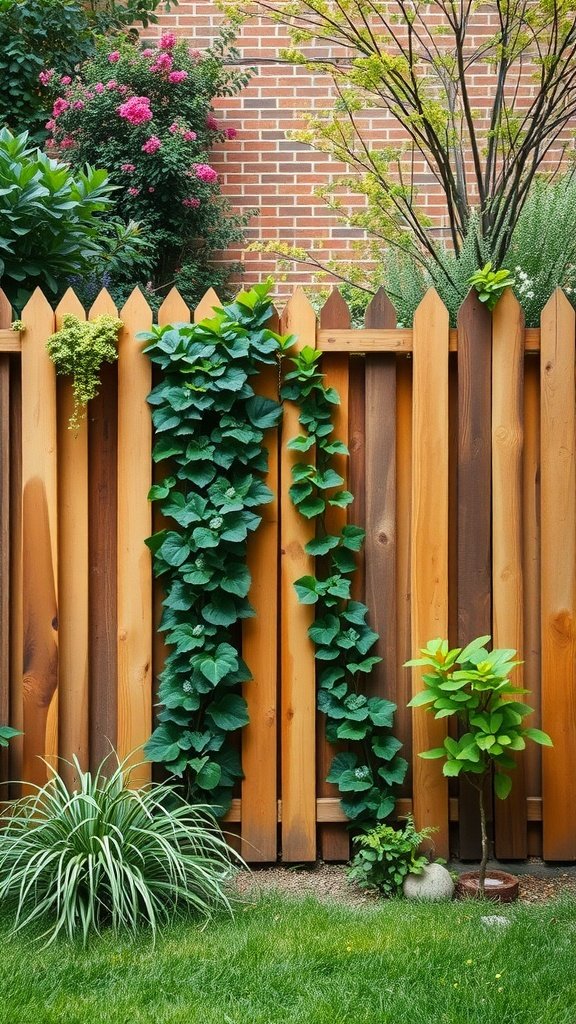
x=462, y=463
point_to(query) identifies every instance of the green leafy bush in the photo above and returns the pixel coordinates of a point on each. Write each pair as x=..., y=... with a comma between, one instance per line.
x=147, y=116
x=109, y=855
x=50, y=38
x=51, y=224
x=210, y=425
x=387, y=855
x=368, y=773
x=78, y=350
x=473, y=685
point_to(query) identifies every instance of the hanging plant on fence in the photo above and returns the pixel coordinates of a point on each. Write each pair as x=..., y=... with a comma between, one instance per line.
x=78, y=349
x=367, y=774
x=210, y=428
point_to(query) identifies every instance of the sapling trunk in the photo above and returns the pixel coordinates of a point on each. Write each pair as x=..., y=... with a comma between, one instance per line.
x=485, y=842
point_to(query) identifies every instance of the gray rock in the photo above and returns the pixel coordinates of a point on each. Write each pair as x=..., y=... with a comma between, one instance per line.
x=495, y=921
x=435, y=883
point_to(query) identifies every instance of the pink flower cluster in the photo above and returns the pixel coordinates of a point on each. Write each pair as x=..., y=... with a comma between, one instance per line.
x=65, y=80
x=187, y=134
x=163, y=62
x=114, y=57
x=212, y=124
x=45, y=77
x=127, y=167
x=205, y=173
x=194, y=203
x=60, y=105
x=177, y=76
x=167, y=41
x=152, y=145
x=136, y=110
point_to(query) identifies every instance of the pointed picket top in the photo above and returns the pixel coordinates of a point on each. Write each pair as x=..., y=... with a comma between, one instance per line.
x=37, y=307
x=103, y=305
x=205, y=308
x=298, y=317
x=173, y=310
x=558, y=305
x=432, y=311
x=69, y=303
x=5, y=311
x=136, y=316
x=508, y=306
x=335, y=313
x=380, y=312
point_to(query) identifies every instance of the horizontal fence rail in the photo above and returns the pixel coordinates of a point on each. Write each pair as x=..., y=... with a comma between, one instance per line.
x=462, y=465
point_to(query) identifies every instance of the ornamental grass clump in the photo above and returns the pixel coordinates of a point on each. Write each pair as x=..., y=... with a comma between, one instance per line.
x=107, y=855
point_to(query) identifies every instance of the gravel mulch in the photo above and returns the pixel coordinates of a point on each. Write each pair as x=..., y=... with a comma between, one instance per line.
x=328, y=882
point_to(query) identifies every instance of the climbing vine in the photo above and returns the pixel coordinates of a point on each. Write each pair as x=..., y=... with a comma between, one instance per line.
x=210, y=428
x=366, y=774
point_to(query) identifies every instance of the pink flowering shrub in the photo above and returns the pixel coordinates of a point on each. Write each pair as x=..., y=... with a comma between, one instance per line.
x=146, y=115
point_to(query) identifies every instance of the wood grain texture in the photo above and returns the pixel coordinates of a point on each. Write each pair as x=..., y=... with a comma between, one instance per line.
x=133, y=527
x=39, y=544
x=398, y=340
x=474, y=512
x=510, y=822
x=357, y=463
x=298, y=675
x=403, y=718
x=429, y=546
x=260, y=652
x=531, y=647
x=381, y=538
x=73, y=574
x=15, y=752
x=102, y=558
x=334, y=842
x=558, y=589
x=5, y=320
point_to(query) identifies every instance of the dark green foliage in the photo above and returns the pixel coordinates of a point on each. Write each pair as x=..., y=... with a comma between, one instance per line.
x=210, y=425
x=57, y=35
x=387, y=855
x=367, y=774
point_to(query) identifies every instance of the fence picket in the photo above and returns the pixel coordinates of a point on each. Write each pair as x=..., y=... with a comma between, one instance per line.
x=531, y=648
x=334, y=842
x=558, y=512
x=133, y=527
x=511, y=827
x=429, y=545
x=39, y=543
x=474, y=616
x=73, y=639
x=5, y=320
x=260, y=651
x=298, y=701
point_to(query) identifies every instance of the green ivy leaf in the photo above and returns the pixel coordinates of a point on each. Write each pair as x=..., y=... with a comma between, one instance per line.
x=229, y=712
x=162, y=747
x=216, y=666
x=502, y=785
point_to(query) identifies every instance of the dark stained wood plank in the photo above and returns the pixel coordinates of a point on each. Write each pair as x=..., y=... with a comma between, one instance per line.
x=357, y=463
x=403, y=720
x=474, y=519
x=510, y=822
x=333, y=840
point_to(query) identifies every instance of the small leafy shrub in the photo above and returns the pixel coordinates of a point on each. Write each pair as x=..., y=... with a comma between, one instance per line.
x=78, y=350
x=490, y=284
x=210, y=424
x=43, y=40
x=387, y=855
x=147, y=116
x=473, y=685
x=51, y=221
x=370, y=770
x=107, y=855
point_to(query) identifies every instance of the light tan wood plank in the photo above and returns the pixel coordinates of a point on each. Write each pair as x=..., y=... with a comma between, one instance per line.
x=40, y=544
x=134, y=526
x=397, y=340
x=558, y=589
x=298, y=677
x=429, y=546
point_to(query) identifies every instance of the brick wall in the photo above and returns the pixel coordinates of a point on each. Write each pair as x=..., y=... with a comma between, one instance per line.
x=264, y=169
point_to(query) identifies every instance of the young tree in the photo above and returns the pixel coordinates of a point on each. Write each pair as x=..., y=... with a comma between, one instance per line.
x=417, y=61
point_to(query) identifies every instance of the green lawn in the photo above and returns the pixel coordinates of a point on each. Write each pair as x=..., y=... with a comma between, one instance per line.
x=292, y=962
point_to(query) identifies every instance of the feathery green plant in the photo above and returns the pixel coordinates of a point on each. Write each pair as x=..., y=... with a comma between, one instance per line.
x=109, y=855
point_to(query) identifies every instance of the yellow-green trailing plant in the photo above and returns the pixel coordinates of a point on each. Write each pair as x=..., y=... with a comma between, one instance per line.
x=78, y=350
